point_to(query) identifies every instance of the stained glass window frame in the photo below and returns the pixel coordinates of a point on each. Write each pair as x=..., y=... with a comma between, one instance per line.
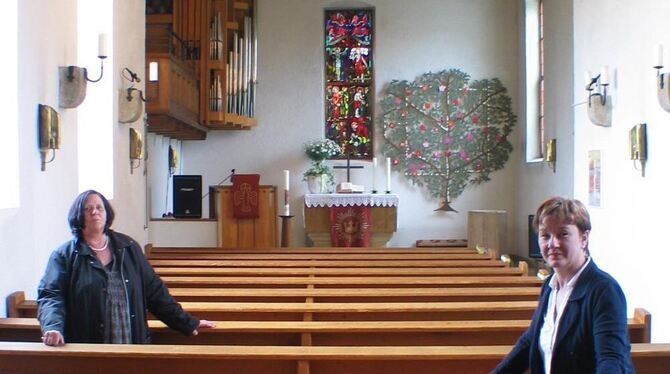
x=351, y=78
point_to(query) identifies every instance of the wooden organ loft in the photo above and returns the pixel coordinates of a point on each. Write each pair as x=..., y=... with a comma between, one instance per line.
x=200, y=67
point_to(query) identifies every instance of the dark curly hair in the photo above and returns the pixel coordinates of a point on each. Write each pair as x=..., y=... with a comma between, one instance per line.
x=75, y=217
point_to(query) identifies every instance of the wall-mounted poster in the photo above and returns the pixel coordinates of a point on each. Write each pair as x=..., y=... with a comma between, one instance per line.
x=595, y=169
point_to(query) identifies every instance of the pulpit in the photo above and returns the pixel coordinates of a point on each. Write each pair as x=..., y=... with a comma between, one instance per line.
x=383, y=216
x=245, y=233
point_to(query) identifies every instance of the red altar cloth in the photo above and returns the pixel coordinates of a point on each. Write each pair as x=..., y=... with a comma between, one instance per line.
x=245, y=195
x=350, y=226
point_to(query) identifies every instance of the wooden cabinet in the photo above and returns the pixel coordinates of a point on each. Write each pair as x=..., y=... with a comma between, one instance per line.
x=204, y=54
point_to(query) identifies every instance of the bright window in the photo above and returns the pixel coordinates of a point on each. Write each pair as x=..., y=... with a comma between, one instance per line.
x=9, y=141
x=95, y=119
x=534, y=37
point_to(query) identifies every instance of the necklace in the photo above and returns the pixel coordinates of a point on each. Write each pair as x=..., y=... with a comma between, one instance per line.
x=101, y=248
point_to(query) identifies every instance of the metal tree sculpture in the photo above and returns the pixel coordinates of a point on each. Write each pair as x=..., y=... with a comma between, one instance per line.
x=446, y=132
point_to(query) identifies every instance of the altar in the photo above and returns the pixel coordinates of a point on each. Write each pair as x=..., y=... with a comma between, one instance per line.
x=383, y=217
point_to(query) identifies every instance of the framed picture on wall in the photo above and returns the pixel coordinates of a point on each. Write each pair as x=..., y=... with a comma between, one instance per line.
x=595, y=176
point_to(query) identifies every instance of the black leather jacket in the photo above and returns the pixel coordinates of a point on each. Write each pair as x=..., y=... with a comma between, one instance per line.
x=72, y=298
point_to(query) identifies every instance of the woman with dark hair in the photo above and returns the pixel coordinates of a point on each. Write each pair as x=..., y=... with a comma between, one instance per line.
x=98, y=286
x=580, y=324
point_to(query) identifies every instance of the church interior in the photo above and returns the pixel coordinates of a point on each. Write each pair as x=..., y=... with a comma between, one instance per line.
x=586, y=94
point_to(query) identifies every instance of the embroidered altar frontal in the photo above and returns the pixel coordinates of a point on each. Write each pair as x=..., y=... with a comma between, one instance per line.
x=350, y=220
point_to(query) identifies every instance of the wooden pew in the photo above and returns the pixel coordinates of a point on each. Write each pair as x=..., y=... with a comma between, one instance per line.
x=358, y=272
x=150, y=250
x=328, y=263
x=347, y=282
x=338, y=333
x=102, y=358
x=289, y=256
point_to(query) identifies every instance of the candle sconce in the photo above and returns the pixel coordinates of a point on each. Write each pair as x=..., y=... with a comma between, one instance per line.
x=73, y=79
x=49, y=133
x=550, y=156
x=131, y=99
x=136, y=149
x=599, y=102
x=662, y=80
x=638, y=145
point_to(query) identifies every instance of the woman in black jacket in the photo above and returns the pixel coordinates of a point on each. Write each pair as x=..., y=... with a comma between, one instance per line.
x=98, y=286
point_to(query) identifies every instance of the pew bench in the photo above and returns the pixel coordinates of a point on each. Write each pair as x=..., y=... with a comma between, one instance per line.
x=328, y=263
x=349, y=271
x=338, y=333
x=164, y=359
x=150, y=250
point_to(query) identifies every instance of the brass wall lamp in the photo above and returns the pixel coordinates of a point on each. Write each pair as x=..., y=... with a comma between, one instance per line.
x=550, y=156
x=49, y=133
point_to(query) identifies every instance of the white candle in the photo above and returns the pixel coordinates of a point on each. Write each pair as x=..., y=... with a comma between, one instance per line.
x=604, y=75
x=286, y=180
x=587, y=79
x=374, y=171
x=287, y=210
x=388, y=174
x=153, y=71
x=658, y=55
x=102, y=45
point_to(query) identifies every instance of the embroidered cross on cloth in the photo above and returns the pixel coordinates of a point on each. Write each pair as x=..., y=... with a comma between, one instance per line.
x=245, y=195
x=350, y=226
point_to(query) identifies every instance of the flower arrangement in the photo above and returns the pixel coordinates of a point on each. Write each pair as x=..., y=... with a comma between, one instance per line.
x=318, y=151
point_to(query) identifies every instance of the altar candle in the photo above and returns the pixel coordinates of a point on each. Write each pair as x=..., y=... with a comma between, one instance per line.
x=286, y=180
x=388, y=174
x=658, y=55
x=102, y=45
x=287, y=210
x=374, y=171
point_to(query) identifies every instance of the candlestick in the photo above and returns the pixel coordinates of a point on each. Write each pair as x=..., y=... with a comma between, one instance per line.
x=388, y=175
x=102, y=45
x=374, y=171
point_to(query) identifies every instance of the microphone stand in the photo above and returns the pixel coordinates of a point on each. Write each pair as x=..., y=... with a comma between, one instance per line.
x=229, y=176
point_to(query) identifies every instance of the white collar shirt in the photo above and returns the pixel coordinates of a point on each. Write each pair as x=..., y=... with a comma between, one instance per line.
x=558, y=299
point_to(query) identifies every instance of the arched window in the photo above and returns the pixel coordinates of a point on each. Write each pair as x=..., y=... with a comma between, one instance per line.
x=534, y=50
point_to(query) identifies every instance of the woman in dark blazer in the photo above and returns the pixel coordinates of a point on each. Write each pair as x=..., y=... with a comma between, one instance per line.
x=580, y=324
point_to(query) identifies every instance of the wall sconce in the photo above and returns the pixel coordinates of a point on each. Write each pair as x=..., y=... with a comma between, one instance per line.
x=550, y=156
x=600, y=104
x=130, y=99
x=136, y=149
x=49, y=132
x=638, y=145
x=172, y=160
x=662, y=87
x=72, y=85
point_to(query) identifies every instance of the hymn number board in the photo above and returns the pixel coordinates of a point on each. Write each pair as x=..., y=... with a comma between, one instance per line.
x=349, y=93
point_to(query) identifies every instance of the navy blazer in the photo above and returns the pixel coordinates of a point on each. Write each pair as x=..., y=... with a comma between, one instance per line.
x=592, y=335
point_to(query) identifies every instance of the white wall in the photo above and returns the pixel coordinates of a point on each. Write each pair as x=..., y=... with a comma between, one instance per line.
x=47, y=39
x=627, y=238
x=479, y=37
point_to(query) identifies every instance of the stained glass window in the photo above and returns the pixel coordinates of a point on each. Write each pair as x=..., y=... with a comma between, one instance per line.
x=349, y=76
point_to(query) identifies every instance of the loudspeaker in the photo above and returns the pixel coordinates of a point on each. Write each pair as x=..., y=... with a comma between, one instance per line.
x=533, y=245
x=187, y=196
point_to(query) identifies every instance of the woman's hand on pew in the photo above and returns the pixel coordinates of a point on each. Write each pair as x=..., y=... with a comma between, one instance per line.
x=203, y=324
x=53, y=338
